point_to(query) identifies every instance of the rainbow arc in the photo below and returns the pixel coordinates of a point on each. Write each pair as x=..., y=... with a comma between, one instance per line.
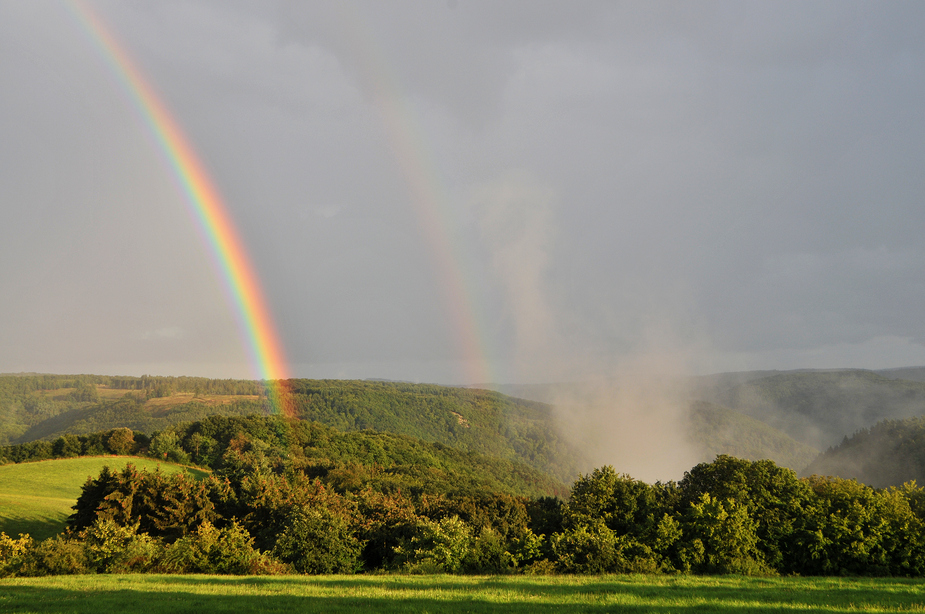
x=251, y=310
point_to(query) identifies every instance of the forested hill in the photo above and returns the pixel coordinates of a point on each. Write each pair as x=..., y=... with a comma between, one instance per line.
x=345, y=461
x=819, y=408
x=889, y=453
x=915, y=374
x=776, y=415
x=716, y=430
x=476, y=420
x=486, y=422
x=711, y=428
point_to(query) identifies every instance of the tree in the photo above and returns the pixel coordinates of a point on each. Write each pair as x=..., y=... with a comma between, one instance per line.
x=66, y=446
x=121, y=441
x=167, y=506
x=773, y=497
x=319, y=541
x=719, y=537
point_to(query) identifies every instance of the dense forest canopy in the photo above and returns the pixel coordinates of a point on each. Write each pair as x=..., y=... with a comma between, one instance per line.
x=289, y=496
x=371, y=476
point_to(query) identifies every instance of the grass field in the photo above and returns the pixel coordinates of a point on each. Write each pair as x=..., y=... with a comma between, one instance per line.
x=519, y=594
x=36, y=498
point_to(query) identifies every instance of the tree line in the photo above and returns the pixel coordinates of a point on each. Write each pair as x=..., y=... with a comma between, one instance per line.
x=291, y=496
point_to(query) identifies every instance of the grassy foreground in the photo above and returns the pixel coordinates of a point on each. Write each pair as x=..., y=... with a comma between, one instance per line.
x=155, y=594
x=36, y=498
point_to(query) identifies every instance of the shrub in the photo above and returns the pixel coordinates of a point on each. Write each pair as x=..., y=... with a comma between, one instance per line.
x=59, y=555
x=720, y=537
x=319, y=541
x=438, y=546
x=585, y=549
x=12, y=552
x=218, y=551
x=487, y=554
x=111, y=548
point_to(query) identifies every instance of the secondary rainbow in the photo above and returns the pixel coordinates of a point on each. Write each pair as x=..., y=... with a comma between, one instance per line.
x=427, y=191
x=252, y=312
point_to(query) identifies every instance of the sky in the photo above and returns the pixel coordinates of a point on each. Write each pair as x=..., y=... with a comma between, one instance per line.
x=461, y=192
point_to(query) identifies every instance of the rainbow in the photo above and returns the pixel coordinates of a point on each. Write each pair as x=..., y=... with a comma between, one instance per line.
x=250, y=307
x=428, y=194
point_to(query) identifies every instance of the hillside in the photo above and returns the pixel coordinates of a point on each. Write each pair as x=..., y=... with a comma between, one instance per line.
x=36, y=498
x=890, y=453
x=814, y=408
x=480, y=421
x=915, y=374
x=46, y=407
x=818, y=408
x=720, y=430
x=713, y=429
x=34, y=407
x=354, y=460
x=347, y=461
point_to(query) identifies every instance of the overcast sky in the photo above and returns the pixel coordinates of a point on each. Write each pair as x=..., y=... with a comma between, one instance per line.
x=725, y=186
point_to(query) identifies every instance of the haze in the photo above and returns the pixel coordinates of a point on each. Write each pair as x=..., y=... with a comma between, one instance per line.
x=696, y=187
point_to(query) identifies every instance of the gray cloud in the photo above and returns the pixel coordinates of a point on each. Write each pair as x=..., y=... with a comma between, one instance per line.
x=744, y=178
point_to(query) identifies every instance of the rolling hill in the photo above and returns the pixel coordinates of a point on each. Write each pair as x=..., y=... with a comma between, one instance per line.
x=749, y=414
x=818, y=408
x=719, y=430
x=890, y=453
x=482, y=421
x=36, y=498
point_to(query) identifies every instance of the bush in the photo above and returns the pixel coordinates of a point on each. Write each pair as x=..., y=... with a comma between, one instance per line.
x=585, y=549
x=487, y=554
x=217, y=551
x=318, y=541
x=60, y=555
x=719, y=537
x=437, y=546
x=111, y=548
x=12, y=552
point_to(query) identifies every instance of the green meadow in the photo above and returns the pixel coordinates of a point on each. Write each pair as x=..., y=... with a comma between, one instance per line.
x=36, y=498
x=100, y=594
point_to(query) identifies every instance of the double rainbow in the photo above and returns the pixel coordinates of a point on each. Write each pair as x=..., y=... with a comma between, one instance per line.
x=253, y=315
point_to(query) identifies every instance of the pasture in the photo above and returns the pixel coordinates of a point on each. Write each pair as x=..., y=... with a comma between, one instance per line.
x=36, y=498
x=155, y=594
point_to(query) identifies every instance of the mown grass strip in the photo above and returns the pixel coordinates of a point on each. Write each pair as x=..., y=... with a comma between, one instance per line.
x=733, y=595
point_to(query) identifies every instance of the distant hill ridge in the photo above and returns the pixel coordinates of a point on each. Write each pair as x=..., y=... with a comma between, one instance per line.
x=890, y=453
x=820, y=407
x=785, y=416
x=482, y=421
x=716, y=430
